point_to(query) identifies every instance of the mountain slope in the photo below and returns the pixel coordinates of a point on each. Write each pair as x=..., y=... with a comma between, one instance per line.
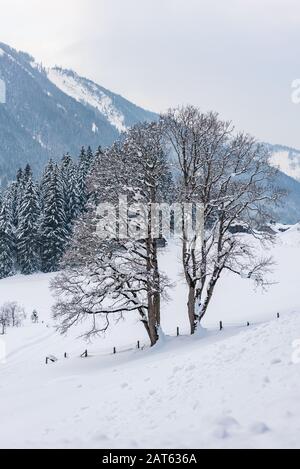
x=289, y=210
x=234, y=388
x=286, y=159
x=119, y=112
x=50, y=112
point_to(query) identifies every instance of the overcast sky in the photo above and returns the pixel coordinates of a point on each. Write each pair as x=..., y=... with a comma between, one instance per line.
x=237, y=57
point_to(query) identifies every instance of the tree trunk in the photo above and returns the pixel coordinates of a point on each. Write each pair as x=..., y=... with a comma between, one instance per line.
x=152, y=323
x=210, y=291
x=191, y=308
x=151, y=330
x=156, y=280
x=153, y=290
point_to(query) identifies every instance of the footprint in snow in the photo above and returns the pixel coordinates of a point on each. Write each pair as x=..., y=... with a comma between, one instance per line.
x=228, y=422
x=190, y=368
x=48, y=430
x=259, y=428
x=275, y=361
x=190, y=380
x=99, y=436
x=221, y=433
x=225, y=426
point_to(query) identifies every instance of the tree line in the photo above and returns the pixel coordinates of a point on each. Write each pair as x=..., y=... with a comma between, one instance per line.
x=37, y=217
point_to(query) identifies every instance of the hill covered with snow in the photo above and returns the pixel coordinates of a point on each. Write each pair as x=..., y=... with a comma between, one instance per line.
x=235, y=388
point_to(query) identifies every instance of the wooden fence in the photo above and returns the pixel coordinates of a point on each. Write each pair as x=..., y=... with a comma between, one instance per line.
x=222, y=326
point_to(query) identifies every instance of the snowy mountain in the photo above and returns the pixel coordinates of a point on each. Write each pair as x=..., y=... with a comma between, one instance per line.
x=50, y=112
x=289, y=210
x=286, y=159
x=119, y=112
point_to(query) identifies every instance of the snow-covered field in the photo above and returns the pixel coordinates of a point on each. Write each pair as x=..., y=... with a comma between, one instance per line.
x=235, y=388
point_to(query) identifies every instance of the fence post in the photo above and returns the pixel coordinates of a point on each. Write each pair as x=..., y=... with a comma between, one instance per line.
x=178, y=333
x=278, y=315
x=65, y=355
x=51, y=359
x=115, y=350
x=138, y=344
x=248, y=324
x=221, y=325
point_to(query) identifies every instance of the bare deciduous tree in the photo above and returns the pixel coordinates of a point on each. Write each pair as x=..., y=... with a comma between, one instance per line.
x=230, y=175
x=104, y=279
x=11, y=314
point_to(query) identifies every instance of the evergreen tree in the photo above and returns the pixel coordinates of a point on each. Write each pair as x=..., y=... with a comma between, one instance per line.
x=27, y=232
x=27, y=173
x=71, y=190
x=99, y=151
x=45, y=182
x=83, y=161
x=83, y=167
x=20, y=175
x=15, y=193
x=53, y=232
x=13, y=196
x=66, y=161
x=7, y=247
x=89, y=159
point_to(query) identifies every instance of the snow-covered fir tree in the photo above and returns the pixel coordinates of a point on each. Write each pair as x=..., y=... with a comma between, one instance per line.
x=27, y=174
x=13, y=195
x=45, y=182
x=7, y=242
x=28, y=230
x=53, y=230
x=85, y=163
x=69, y=172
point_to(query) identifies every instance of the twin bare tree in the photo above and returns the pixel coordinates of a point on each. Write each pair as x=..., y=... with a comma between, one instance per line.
x=189, y=158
